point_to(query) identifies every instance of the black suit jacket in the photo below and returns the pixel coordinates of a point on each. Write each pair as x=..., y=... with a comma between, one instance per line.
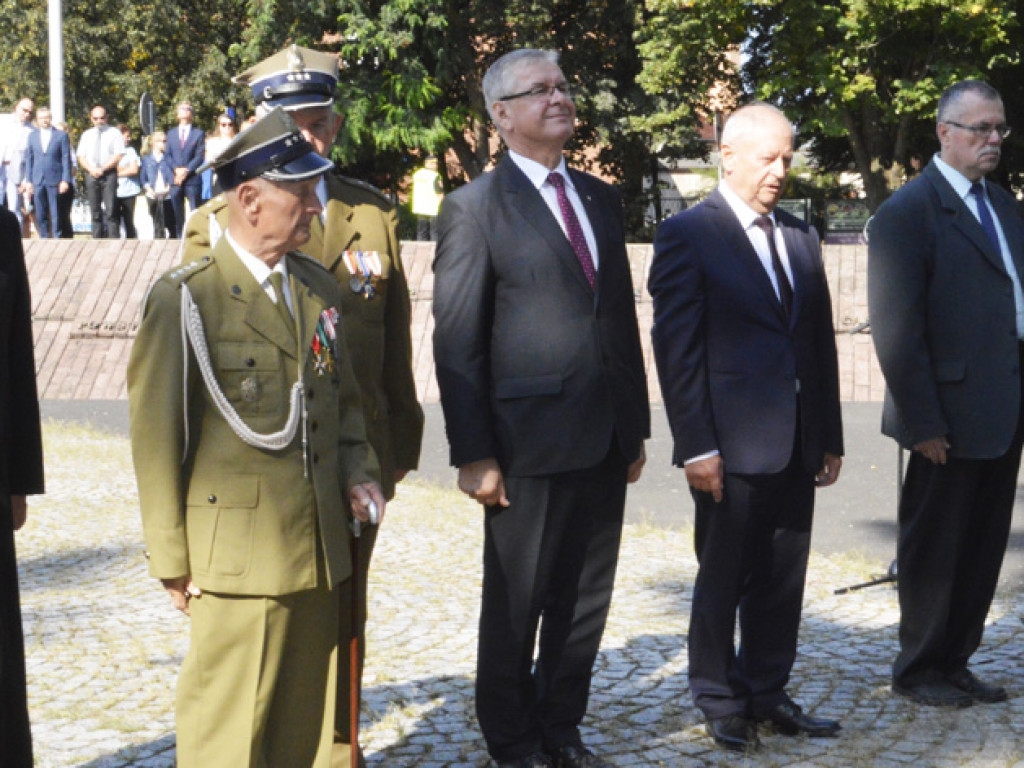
x=49, y=168
x=727, y=360
x=943, y=318
x=535, y=369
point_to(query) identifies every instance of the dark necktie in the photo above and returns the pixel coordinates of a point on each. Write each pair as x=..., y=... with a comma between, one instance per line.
x=277, y=280
x=577, y=239
x=764, y=223
x=984, y=215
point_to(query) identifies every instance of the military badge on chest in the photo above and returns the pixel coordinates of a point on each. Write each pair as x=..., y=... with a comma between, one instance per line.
x=325, y=342
x=365, y=268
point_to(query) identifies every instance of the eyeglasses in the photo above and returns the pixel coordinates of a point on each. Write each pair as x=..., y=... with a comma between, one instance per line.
x=983, y=130
x=539, y=92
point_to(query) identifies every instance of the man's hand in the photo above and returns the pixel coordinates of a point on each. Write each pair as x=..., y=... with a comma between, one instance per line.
x=830, y=472
x=707, y=475
x=637, y=467
x=934, y=450
x=19, y=511
x=179, y=176
x=26, y=187
x=359, y=498
x=482, y=481
x=400, y=475
x=63, y=187
x=181, y=591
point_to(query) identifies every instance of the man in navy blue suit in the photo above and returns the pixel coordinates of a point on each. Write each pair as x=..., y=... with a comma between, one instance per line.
x=186, y=147
x=746, y=355
x=48, y=172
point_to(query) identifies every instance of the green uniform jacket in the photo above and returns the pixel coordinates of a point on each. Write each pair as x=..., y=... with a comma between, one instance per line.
x=243, y=520
x=359, y=218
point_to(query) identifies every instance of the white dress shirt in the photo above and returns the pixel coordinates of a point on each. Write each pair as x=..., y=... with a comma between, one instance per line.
x=538, y=176
x=261, y=272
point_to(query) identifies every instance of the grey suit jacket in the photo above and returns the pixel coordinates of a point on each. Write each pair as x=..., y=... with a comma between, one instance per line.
x=943, y=318
x=535, y=368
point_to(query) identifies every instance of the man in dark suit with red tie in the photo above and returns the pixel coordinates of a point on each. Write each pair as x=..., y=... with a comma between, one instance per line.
x=186, y=148
x=746, y=355
x=945, y=261
x=545, y=400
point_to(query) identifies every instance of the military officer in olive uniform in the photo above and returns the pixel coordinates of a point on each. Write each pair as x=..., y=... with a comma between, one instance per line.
x=356, y=239
x=250, y=453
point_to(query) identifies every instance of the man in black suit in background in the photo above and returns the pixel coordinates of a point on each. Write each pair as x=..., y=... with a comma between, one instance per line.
x=746, y=355
x=945, y=259
x=21, y=473
x=545, y=400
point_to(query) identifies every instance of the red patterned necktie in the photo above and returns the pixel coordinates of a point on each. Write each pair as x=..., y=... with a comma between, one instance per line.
x=577, y=239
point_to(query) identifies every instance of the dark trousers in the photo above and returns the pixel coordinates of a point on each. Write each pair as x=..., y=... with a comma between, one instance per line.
x=47, y=211
x=954, y=522
x=15, y=736
x=102, y=196
x=125, y=215
x=177, y=197
x=65, y=202
x=752, y=549
x=162, y=214
x=549, y=562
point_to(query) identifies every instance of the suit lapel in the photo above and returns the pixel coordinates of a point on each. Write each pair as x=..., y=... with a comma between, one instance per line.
x=800, y=264
x=962, y=217
x=339, y=231
x=260, y=314
x=307, y=305
x=529, y=204
x=1009, y=220
x=739, y=246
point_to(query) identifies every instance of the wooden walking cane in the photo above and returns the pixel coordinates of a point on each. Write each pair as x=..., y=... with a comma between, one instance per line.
x=353, y=643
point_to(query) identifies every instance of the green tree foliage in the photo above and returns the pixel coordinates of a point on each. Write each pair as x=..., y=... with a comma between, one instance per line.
x=860, y=78
x=415, y=70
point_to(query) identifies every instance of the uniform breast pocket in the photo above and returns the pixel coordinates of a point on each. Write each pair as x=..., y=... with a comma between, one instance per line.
x=252, y=376
x=220, y=522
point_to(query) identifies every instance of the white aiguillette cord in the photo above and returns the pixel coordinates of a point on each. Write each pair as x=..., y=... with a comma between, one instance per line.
x=192, y=331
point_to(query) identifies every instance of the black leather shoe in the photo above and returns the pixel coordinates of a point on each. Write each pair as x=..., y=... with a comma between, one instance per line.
x=734, y=732
x=789, y=720
x=935, y=694
x=986, y=693
x=536, y=760
x=576, y=757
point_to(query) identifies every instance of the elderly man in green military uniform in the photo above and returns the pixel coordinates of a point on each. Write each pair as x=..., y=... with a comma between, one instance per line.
x=250, y=453
x=356, y=239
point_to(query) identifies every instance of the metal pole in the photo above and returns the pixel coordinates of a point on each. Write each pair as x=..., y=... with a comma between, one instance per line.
x=56, y=61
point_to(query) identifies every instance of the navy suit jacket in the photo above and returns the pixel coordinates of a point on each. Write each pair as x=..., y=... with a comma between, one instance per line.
x=535, y=369
x=727, y=359
x=943, y=319
x=49, y=168
x=190, y=156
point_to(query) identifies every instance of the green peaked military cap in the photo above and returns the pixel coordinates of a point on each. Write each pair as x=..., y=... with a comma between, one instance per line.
x=294, y=78
x=273, y=148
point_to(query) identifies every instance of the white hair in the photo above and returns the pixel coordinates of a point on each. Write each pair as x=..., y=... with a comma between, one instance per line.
x=501, y=76
x=751, y=118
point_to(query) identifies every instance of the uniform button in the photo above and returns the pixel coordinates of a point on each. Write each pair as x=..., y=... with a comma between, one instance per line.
x=212, y=499
x=235, y=290
x=250, y=362
x=309, y=394
x=312, y=427
x=316, y=458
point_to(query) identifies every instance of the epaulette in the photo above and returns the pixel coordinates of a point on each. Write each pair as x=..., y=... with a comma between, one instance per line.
x=306, y=258
x=359, y=184
x=183, y=272
x=179, y=275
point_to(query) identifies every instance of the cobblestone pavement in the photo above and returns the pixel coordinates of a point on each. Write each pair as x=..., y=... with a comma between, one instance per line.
x=104, y=645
